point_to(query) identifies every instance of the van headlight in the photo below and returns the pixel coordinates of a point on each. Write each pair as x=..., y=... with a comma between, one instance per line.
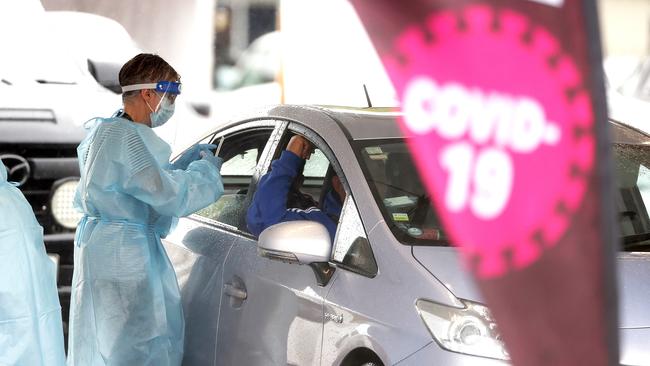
x=62, y=205
x=469, y=330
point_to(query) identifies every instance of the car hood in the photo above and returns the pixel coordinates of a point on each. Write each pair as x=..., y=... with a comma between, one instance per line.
x=633, y=271
x=51, y=113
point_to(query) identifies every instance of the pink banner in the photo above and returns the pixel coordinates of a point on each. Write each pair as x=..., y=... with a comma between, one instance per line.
x=499, y=98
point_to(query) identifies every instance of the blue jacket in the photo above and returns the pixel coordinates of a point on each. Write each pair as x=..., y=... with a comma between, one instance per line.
x=269, y=206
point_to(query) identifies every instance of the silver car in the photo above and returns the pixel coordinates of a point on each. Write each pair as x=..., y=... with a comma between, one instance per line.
x=390, y=289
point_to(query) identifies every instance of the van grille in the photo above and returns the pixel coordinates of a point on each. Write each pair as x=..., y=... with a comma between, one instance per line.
x=48, y=164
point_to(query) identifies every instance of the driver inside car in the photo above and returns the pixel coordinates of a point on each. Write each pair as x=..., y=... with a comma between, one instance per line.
x=278, y=198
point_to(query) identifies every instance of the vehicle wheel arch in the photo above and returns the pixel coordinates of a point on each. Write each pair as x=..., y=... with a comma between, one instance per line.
x=362, y=356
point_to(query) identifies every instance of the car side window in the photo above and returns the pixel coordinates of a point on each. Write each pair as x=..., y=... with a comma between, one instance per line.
x=241, y=164
x=241, y=152
x=352, y=249
x=207, y=139
x=316, y=166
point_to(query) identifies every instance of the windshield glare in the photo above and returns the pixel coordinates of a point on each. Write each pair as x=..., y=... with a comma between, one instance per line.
x=39, y=55
x=404, y=202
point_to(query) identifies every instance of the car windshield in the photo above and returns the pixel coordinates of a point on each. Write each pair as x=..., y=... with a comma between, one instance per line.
x=405, y=204
x=399, y=192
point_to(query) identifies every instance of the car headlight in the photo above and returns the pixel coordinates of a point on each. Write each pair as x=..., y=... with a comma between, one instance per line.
x=469, y=330
x=61, y=204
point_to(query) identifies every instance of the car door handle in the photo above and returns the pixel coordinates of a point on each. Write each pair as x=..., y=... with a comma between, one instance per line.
x=236, y=292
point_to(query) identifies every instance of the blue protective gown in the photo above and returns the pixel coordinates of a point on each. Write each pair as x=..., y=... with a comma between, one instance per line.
x=126, y=306
x=31, y=331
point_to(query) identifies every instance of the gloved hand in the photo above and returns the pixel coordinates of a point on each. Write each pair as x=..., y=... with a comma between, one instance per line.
x=209, y=157
x=191, y=154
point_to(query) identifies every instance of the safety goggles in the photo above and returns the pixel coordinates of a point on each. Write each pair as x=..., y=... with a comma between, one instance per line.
x=166, y=87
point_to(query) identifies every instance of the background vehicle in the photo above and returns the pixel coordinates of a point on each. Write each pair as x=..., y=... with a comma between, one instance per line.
x=252, y=82
x=97, y=43
x=47, y=94
x=101, y=45
x=258, y=64
x=391, y=290
x=58, y=70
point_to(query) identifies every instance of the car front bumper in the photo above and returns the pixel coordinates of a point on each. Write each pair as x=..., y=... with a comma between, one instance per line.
x=634, y=346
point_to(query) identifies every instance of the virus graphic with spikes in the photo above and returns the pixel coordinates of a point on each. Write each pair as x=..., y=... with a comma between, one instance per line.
x=502, y=127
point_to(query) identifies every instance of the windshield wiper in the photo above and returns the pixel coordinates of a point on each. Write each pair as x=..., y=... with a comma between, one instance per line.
x=395, y=187
x=636, y=240
x=43, y=81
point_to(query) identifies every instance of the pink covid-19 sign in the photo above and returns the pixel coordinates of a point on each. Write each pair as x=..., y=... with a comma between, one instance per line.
x=502, y=128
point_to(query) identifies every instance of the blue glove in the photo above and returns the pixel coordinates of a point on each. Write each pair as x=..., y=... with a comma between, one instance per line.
x=190, y=155
x=209, y=157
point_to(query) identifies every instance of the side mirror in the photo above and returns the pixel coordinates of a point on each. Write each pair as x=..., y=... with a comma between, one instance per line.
x=201, y=108
x=106, y=74
x=302, y=242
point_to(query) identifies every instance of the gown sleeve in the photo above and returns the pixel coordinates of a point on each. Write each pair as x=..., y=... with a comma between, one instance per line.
x=169, y=192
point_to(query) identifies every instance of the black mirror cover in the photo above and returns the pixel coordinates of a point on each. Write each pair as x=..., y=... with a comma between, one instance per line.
x=106, y=74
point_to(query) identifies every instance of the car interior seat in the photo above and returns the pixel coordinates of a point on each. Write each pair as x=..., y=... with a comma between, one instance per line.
x=327, y=184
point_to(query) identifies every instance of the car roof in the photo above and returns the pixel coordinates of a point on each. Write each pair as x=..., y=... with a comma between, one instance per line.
x=625, y=134
x=381, y=123
x=367, y=123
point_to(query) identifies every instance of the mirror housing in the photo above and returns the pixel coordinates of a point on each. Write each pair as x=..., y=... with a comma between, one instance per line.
x=302, y=242
x=202, y=108
x=106, y=74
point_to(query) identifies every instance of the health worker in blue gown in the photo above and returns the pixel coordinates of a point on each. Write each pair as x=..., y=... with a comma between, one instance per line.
x=126, y=306
x=31, y=331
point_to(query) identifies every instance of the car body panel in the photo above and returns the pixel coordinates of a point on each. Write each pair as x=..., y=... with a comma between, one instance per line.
x=633, y=285
x=281, y=320
x=384, y=123
x=634, y=346
x=633, y=290
x=198, y=254
x=445, y=264
x=380, y=312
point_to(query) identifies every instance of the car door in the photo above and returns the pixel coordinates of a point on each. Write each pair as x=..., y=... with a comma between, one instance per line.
x=356, y=267
x=274, y=312
x=200, y=244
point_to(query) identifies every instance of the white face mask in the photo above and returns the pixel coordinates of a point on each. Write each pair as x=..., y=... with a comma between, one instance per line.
x=163, y=112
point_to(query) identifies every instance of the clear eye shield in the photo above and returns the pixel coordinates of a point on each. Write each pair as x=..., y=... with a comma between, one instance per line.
x=166, y=87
